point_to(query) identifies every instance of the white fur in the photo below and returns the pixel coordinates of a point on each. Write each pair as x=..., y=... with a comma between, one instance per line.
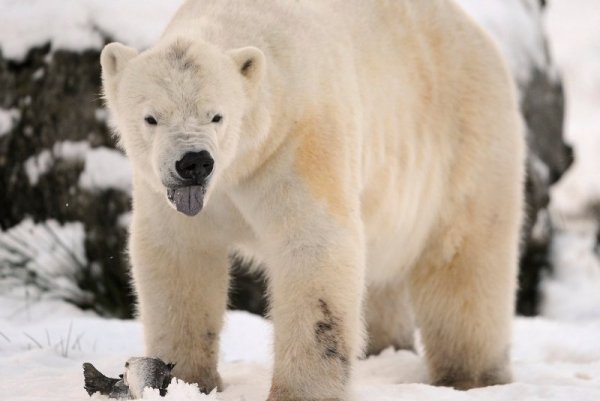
x=364, y=145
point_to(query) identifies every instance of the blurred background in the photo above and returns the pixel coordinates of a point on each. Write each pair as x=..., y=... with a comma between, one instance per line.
x=65, y=188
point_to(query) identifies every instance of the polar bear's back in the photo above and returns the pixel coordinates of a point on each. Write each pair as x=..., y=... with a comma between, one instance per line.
x=393, y=41
x=288, y=23
x=389, y=40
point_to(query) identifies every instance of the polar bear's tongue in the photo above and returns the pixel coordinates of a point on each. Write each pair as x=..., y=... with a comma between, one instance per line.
x=187, y=200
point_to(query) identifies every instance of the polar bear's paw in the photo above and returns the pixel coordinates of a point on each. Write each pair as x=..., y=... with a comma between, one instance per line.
x=466, y=382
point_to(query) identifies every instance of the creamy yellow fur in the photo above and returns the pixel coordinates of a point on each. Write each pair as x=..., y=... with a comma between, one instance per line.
x=366, y=146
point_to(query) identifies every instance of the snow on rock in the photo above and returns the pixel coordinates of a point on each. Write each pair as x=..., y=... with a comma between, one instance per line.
x=8, y=119
x=80, y=24
x=38, y=165
x=46, y=346
x=124, y=220
x=71, y=150
x=105, y=168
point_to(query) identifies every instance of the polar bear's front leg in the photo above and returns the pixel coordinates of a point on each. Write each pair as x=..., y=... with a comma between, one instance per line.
x=182, y=295
x=316, y=310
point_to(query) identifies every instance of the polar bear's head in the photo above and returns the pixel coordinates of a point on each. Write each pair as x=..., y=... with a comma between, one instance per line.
x=178, y=110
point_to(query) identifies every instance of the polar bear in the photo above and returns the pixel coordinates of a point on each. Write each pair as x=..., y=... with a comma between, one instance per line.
x=368, y=154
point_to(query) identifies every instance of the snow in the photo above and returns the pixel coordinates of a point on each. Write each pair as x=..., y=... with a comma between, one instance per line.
x=70, y=150
x=80, y=24
x=8, y=119
x=38, y=165
x=104, y=168
x=50, y=340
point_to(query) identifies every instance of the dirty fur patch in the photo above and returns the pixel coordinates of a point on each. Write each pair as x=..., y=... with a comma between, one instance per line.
x=328, y=335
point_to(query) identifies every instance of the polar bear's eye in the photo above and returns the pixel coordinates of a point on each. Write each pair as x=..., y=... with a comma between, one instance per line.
x=150, y=120
x=217, y=118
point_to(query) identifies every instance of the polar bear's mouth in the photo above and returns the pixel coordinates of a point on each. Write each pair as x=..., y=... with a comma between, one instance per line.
x=187, y=200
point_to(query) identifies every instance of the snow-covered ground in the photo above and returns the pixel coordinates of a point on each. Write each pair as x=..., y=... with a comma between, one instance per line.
x=43, y=346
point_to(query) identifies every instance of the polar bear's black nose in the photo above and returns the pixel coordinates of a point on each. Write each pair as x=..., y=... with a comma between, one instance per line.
x=195, y=166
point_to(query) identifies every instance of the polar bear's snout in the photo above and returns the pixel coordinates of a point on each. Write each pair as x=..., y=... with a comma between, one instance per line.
x=195, y=167
x=193, y=171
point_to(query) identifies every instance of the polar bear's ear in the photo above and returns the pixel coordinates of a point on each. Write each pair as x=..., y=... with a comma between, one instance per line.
x=114, y=58
x=250, y=62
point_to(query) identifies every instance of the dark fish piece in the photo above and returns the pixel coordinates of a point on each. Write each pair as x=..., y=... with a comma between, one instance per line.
x=96, y=382
x=139, y=373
